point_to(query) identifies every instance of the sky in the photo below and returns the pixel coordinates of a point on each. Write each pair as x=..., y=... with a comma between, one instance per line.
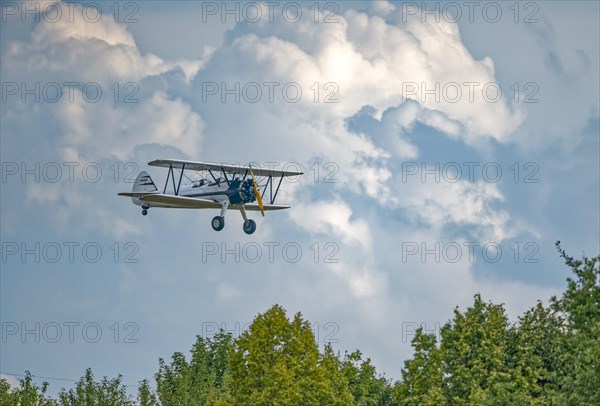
x=445, y=147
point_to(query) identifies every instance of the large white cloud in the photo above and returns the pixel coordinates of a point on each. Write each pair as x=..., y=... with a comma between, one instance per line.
x=76, y=47
x=373, y=62
x=370, y=61
x=105, y=126
x=103, y=130
x=128, y=110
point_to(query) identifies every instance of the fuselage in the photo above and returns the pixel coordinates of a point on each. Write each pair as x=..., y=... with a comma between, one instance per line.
x=236, y=192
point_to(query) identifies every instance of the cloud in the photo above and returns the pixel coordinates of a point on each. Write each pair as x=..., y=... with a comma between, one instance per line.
x=333, y=218
x=373, y=61
x=125, y=108
x=370, y=61
x=105, y=130
x=138, y=112
x=76, y=47
x=462, y=203
x=381, y=8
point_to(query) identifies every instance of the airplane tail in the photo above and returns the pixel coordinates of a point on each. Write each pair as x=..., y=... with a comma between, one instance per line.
x=144, y=183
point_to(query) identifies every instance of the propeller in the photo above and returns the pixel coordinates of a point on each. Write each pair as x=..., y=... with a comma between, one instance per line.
x=257, y=193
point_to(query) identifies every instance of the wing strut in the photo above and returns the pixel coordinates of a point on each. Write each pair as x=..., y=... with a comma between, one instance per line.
x=167, y=181
x=225, y=174
x=173, y=178
x=266, y=186
x=172, y=174
x=180, y=178
x=213, y=176
x=276, y=190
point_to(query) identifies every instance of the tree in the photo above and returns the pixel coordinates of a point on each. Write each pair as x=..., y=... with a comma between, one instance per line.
x=145, y=395
x=473, y=348
x=28, y=393
x=366, y=386
x=338, y=381
x=88, y=392
x=422, y=375
x=7, y=395
x=579, y=314
x=278, y=362
x=204, y=380
x=534, y=356
x=550, y=356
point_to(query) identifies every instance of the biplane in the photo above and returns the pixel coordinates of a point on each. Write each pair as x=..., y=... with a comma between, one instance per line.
x=216, y=186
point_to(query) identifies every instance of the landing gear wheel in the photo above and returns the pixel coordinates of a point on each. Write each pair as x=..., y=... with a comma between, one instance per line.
x=249, y=226
x=218, y=222
x=144, y=212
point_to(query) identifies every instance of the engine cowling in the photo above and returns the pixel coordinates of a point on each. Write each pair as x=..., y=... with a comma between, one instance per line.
x=245, y=192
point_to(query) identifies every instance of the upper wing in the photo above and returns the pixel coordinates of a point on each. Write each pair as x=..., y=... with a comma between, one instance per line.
x=208, y=166
x=160, y=200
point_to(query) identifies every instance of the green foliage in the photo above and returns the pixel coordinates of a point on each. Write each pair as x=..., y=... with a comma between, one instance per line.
x=145, y=395
x=579, y=314
x=88, y=392
x=534, y=347
x=277, y=361
x=6, y=395
x=551, y=355
x=202, y=380
x=338, y=382
x=474, y=347
x=366, y=386
x=422, y=375
x=27, y=394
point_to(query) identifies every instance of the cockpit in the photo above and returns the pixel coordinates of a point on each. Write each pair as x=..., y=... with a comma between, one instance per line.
x=198, y=183
x=208, y=182
x=217, y=183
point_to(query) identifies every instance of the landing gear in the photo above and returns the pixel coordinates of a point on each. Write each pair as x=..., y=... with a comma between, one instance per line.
x=218, y=222
x=144, y=211
x=249, y=226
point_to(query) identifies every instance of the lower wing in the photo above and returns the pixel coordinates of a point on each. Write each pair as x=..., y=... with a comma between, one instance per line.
x=160, y=200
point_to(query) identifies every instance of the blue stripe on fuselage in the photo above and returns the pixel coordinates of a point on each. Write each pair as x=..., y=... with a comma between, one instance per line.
x=233, y=192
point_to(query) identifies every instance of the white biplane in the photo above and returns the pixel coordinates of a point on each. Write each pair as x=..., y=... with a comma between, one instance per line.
x=217, y=186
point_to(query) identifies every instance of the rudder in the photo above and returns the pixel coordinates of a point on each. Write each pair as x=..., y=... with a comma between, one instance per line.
x=144, y=183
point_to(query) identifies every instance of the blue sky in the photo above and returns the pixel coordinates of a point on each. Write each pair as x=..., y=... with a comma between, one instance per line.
x=423, y=185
